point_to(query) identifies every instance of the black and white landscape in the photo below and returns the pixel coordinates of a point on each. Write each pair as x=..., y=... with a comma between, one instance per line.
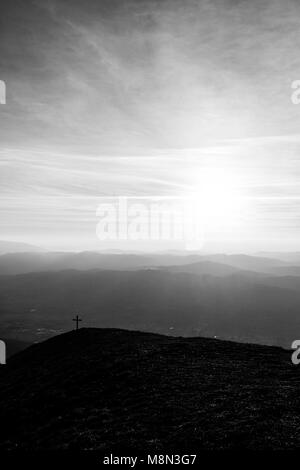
x=149, y=226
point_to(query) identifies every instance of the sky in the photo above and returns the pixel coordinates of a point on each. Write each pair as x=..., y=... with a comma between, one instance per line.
x=147, y=98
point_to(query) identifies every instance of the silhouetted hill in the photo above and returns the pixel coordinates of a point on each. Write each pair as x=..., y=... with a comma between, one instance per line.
x=110, y=389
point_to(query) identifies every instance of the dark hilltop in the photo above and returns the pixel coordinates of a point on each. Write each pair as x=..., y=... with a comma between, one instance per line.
x=107, y=389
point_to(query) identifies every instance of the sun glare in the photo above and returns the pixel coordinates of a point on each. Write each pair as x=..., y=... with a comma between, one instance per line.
x=217, y=196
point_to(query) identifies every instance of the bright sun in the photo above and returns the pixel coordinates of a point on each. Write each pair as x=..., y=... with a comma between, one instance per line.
x=217, y=196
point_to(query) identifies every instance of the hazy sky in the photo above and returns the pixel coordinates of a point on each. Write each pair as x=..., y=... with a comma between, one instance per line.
x=137, y=97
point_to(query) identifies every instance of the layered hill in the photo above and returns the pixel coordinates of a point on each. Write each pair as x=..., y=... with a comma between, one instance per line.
x=112, y=389
x=32, y=261
x=236, y=307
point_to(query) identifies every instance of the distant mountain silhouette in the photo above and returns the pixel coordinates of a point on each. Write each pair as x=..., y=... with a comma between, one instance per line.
x=204, y=268
x=110, y=389
x=237, y=307
x=291, y=257
x=17, y=247
x=246, y=262
x=21, y=263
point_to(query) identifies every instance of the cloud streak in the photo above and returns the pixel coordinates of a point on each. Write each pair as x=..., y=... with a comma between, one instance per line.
x=129, y=97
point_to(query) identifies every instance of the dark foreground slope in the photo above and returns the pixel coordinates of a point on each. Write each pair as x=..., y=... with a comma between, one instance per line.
x=112, y=389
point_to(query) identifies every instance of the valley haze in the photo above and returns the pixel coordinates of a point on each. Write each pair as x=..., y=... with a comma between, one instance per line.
x=236, y=297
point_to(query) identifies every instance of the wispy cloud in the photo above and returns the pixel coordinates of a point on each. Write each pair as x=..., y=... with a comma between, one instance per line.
x=130, y=97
